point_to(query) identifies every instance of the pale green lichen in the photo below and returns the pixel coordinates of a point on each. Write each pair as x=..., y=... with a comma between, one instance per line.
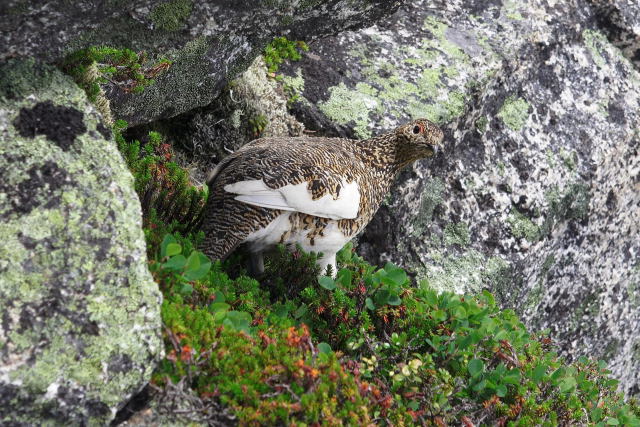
x=522, y=227
x=596, y=42
x=440, y=41
x=534, y=296
x=512, y=10
x=514, y=112
x=481, y=124
x=347, y=105
x=293, y=86
x=463, y=273
x=430, y=198
x=569, y=203
x=456, y=234
x=388, y=91
x=172, y=15
x=569, y=159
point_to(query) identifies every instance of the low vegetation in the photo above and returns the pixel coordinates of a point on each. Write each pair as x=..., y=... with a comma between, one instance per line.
x=368, y=347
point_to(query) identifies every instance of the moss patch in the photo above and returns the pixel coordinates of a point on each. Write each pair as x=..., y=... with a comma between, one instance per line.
x=172, y=15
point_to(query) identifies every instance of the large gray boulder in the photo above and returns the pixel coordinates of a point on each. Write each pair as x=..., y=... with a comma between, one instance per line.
x=80, y=330
x=209, y=42
x=537, y=193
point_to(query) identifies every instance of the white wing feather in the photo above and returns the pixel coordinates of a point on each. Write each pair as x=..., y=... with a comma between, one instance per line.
x=299, y=199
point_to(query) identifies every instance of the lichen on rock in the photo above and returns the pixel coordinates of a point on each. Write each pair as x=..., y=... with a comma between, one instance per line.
x=80, y=330
x=540, y=109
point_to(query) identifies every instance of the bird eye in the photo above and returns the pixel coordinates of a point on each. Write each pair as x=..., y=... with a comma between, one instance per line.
x=418, y=129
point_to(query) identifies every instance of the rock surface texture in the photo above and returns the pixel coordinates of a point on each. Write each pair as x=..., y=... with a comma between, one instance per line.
x=80, y=328
x=208, y=42
x=538, y=195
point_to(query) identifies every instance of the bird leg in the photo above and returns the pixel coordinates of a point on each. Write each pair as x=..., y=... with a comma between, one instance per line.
x=256, y=264
x=325, y=261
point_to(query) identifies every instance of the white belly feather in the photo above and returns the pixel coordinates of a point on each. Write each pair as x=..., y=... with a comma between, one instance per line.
x=294, y=198
x=297, y=198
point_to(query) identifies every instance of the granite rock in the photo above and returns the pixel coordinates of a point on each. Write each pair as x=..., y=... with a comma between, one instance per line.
x=537, y=193
x=209, y=42
x=80, y=329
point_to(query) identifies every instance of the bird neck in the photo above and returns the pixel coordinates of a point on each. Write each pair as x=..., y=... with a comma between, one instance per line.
x=385, y=152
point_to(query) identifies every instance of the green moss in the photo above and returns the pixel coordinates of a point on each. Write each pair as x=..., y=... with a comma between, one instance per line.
x=172, y=15
x=281, y=49
x=522, y=227
x=514, y=112
x=95, y=66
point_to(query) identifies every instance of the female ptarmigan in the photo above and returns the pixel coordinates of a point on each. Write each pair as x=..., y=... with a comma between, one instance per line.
x=315, y=192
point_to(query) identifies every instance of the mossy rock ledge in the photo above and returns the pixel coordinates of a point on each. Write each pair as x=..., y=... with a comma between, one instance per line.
x=206, y=43
x=80, y=329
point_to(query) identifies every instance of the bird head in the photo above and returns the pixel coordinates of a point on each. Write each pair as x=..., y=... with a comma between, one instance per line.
x=417, y=139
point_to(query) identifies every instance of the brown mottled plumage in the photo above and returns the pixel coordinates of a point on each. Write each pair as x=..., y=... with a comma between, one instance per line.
x=316, y=192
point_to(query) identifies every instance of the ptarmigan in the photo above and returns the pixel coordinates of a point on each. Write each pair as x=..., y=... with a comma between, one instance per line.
x=315, y=192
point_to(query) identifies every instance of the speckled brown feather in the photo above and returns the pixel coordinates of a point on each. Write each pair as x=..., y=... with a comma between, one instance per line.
x=325, y=163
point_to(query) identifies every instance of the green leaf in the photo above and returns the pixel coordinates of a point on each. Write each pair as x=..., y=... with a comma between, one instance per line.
x=281, y=311
x=558, y=373
x=394, y=299
x=439, y=315
x=567, y=384
x=431, y=297
x=173, y=249
x=475, y=367
x=381, y=297
x=397, y=275
x=538, y=373
x=301, y=311
x=323, y=347
x=501, y=390
x=204, y=265
x=193, y=262
x=186, y=289
x=327, y=282
x=512, y=377
x=168, y=239
x=613, y=422
x=596, y=414
x=215, y=307
x=175, y=263
x=344, y=277
x=219, y=297
x=480, y=386
x=369, y=303
x=460, y=313
x=238, y=320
